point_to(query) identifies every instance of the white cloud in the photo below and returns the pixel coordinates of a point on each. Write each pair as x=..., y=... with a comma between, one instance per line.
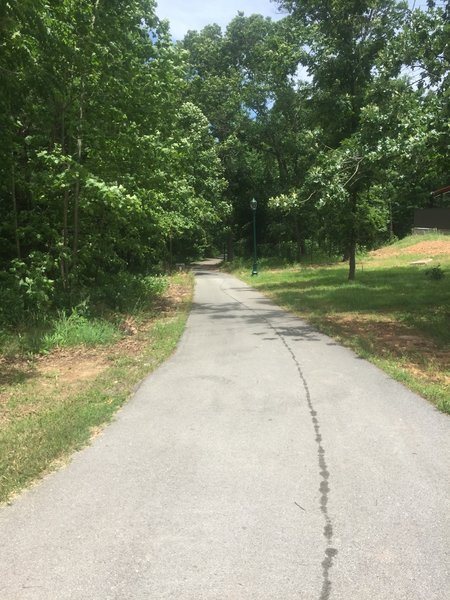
x=195, y=14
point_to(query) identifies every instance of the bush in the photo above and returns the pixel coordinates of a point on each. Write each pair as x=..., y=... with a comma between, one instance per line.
x=11, y=300
x=435, y=273
x=126, y=292
x=28, y=296
x=26, y=290
x=36, y=289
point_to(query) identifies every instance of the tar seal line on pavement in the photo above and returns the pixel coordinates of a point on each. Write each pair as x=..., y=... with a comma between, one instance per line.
x=324, y=487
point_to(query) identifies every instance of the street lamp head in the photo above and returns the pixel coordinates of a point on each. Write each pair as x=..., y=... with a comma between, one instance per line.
x=253, y=204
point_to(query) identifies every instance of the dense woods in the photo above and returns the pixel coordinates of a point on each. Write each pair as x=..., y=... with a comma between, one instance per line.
x=123, y=152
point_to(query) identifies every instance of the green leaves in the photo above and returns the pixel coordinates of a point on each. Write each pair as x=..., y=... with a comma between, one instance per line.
x=102, y=159
x=121, y=150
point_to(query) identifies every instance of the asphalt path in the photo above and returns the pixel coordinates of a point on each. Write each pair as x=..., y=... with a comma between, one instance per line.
x=263, y=461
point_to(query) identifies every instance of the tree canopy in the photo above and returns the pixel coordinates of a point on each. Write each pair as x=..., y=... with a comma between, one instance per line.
x=123, y=151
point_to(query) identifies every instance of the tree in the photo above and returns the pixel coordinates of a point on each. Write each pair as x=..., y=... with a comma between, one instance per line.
x=243, y=79
x=102, y=159
x=342, y=43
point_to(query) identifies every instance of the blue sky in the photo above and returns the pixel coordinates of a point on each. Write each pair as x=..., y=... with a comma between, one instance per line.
x=195, y=14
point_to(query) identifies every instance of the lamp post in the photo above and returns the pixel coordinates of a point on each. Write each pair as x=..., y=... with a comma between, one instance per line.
x=253, y=205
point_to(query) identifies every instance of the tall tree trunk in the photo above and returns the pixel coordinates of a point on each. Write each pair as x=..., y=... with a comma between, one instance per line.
x=282, y=167
x=170, y=253
x=76, y=207
x=299, y=241
x=391, y=224
x=15, y=215
x=76, y=214
x=64, y=265
x=65, y=232
x=230, y=247
x=352, y=237
x=352, y=260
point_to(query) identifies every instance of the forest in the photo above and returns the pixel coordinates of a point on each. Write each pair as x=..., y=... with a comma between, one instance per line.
x=124, y=152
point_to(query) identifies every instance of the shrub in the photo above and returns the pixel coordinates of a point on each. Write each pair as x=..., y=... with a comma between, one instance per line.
x=435, y=273
x=35, y=286
x=126, y=292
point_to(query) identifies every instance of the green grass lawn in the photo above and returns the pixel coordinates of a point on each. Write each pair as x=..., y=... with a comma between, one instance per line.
x=394, y=314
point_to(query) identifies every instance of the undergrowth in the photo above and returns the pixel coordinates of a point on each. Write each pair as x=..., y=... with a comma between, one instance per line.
x=95, y=320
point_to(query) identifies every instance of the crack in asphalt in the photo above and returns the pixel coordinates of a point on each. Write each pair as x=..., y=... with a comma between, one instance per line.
x=324, y=487
x=330, y=551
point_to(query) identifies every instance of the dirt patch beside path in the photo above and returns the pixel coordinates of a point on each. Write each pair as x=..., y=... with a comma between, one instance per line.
x=426, y=248
x=419, y=355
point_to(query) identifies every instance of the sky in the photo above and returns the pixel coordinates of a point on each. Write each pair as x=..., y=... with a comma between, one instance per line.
x=195, y=14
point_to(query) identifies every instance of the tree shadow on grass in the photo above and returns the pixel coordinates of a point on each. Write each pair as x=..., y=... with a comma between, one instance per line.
x=404, y=291
x=15, y=371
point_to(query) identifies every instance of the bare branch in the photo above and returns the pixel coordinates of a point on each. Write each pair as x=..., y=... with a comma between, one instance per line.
x=354, y=173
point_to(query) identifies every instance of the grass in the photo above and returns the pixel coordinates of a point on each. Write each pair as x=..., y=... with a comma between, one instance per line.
x=62, y=331
x=393, y=314
x=93, y=322
x=48, y=409
x=75, y=330
x=412, y=240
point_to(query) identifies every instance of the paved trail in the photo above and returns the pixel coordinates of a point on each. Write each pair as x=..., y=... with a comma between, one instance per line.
x=262, y=462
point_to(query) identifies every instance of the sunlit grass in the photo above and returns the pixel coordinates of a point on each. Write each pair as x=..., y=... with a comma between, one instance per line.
x=75, y=329
x=387, y=290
